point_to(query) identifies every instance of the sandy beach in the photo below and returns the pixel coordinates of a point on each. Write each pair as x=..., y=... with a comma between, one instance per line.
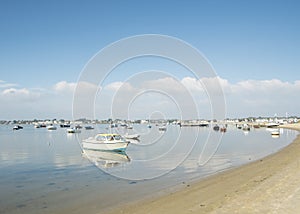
x=269, y=185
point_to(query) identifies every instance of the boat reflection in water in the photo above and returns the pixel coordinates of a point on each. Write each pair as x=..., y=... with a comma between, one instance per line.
x=105, y=159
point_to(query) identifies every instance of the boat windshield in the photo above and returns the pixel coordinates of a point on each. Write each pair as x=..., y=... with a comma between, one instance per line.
x=100, y=138
x=118, y=137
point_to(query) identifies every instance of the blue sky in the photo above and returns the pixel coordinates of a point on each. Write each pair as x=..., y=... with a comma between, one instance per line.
x=45, y=42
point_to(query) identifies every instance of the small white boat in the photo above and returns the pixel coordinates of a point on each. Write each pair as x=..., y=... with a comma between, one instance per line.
x=106, y=142
x=129, y=126
x=132, y=136
x=246, y=127
x=113, y=125
x=275, y=132
x=73, y=130
x=162, y=128
x=65, y=125
x=17, y=127
x=51, y=127
x=271, y=125
x=37, y=126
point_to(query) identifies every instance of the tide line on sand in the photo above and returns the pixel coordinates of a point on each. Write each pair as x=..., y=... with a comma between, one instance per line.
x=269, y=185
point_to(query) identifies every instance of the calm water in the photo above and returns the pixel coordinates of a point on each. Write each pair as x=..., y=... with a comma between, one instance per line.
x=46, y=171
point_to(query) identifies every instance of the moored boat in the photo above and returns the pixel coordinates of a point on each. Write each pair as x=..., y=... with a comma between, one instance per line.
x=246, y=127
x=162, y=128
x=65, y=125
x=216, y=128
x=256, y=126
x=132, y=136
x=106, y=142
x=239, y=126
x=276, y=132
x=17, y=127
x=73, y=130
x=223, y=129
x=89, y=127
x=51, y=127
x=271, y=125
x=129, y=126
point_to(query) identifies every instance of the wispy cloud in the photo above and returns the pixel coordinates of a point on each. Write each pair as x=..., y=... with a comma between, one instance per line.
x=4, y=84
x=243, y=98
x=23, y=94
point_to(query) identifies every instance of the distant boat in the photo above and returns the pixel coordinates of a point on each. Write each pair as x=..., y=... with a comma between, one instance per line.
x=51, y=127
x=223, y=129
x=256, y=126
x=149, y=126
x=275, y=132
x=194, y=123
x=162, y=128
x=271, y=125
x=246, y=127
x=17, y=127
x=113, y=125
x=37, y=126
x=89, y=127
x=106, y=142
x=78, y=127
x=132, y=136
x=216, y=128
x=239, y=126
x=204, y=123
x=73, y=130
x=65, y=125
x=129, y=126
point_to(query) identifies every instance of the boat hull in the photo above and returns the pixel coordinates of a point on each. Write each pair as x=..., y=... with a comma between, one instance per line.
x=114, y=146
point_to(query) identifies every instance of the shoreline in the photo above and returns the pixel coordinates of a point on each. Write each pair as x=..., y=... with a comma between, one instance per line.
x=271, y=184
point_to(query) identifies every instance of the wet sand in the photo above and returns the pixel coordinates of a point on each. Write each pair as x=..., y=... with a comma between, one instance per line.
x=269, y=185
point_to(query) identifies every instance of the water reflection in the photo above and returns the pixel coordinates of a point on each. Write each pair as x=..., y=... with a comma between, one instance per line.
x=105, y=159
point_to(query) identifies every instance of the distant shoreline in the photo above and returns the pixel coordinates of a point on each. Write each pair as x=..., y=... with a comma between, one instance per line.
x=270, y=184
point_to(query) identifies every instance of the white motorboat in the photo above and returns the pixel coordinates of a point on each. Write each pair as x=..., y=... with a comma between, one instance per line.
x=246, y=127
x=73, y=130
x=51, y=127
x=106, y=142
x=162, y=128
x=129, y=126
x=132, y=136
x=17, y=127
x=65, y=125
x=271, y=125
x=275, y=132
x=37, y=126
